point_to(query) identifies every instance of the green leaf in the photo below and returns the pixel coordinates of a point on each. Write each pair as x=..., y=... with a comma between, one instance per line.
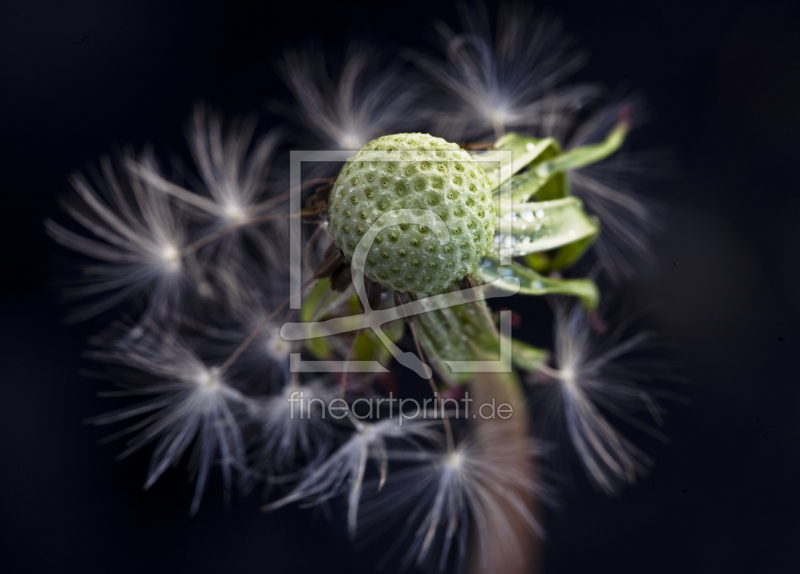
x=532, y=283
x=364, y=347
x=539, y=261
x=547, y=165
x=588, y=154
x=569, y=254
x=529, y=152
x=314, y=299
x=312, y=305
x=530, y=183
x=367, y=347
x=561, y=258
x=551, y=172
x=525, y=151
x=542, y=226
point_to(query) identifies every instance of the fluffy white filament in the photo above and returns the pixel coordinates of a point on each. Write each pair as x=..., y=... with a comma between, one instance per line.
x=588, y=382
x=365, y=100
x=192, y=404
x=482, y=490
x=511, y=79
x=137, y=238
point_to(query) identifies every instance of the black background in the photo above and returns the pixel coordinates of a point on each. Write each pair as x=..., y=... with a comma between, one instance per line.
x=722, y=80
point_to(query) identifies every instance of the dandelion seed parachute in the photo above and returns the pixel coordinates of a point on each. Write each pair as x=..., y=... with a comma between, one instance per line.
x=235, y=174
x=483, y=488
x=628, y=219
x=138, y=238
x=293, y=429
x=192, y=404
x=243, y=293
x=588, y=382
x=509, y=81
x=344, y=470
x=368, y=98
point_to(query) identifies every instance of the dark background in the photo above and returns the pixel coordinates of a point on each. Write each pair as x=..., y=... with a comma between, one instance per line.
x=721, y=78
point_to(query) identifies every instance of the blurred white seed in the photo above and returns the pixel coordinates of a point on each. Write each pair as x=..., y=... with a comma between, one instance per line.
x=589, y=380
x=138, y=235
x=366, y=99
x=192, y=404
x=511, y=79
x=235, y=172
x=293, y=428
x=483, y=491
x=344, y=470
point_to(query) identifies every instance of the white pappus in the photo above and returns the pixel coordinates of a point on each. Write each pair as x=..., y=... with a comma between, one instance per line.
x=588, y=380
x=367, y=99
x=511, y=80
x=138, y=238
x=344, y=470
x=191, y=403
x=483, y=489
x=235, y=186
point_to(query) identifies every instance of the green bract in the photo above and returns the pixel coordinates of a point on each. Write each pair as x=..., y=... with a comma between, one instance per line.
x=413, y=172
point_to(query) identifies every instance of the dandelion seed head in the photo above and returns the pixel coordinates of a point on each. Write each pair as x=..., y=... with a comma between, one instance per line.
x=211, y=228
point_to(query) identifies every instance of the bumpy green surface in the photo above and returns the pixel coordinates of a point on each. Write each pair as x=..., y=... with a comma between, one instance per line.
x=415, y=171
